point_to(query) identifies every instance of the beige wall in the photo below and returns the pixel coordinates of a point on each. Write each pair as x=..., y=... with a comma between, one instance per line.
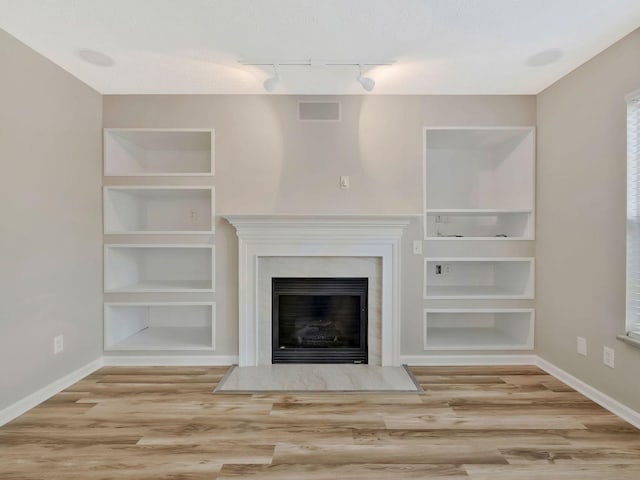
x=581, y=220
x=50, y=221
x=268, y=162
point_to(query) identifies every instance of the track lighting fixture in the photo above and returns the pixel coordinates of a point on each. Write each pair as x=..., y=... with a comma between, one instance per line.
x=271, y=82
x=367, y=83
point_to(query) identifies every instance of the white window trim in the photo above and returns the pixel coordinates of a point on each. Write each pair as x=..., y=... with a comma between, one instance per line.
x=632, y=322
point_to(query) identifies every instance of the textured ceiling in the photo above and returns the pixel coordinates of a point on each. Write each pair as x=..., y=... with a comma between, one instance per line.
x=438, y=46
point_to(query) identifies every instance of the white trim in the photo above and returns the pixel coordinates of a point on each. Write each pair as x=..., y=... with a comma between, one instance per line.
x=55, y=387
x=318, y=236
x=479, y=259
x=480, y=239
x=159, y=245
x=168, y=360
x=424, y=183
x=145, y=129
x=468, y=360
x=475, y=211
x=602, y=399
x=632, y=96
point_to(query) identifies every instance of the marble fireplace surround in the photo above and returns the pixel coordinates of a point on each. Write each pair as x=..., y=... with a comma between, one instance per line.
x=373, y=236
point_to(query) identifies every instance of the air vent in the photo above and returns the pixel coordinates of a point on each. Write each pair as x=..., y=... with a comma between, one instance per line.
x=319, y=111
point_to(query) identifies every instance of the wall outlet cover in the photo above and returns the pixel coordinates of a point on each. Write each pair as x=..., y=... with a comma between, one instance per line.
x=609, y=357
x=417, y=247
x=58, y=344
x=582, y=346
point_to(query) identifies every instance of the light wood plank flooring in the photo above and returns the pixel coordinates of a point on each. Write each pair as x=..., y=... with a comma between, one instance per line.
x=481, y=423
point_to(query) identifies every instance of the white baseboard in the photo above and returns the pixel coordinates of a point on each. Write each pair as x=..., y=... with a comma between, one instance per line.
x=168, y=360
x=36, y=398
x=602, y=399
x=466, y=360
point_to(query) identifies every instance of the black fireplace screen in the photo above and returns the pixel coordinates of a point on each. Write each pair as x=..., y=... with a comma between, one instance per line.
x=319, y=320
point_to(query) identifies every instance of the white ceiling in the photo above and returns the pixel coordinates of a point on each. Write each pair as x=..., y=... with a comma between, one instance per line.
x=439, y=46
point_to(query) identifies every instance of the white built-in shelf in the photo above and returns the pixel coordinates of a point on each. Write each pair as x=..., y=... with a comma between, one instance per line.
x=159, y=326
x=146, y=209
x=478, y=329
x=131, y=268
x=158, y=152
x=479, y=169
x=479, y=278
x=479, y=224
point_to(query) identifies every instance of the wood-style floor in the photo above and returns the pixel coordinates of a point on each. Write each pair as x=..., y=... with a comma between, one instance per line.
x=488, y=423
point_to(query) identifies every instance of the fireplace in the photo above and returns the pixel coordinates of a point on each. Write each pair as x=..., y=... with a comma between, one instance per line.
x=319, y=320
x=294, y=243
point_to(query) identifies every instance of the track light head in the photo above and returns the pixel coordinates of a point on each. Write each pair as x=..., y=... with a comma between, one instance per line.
x=271, y=82
x=367, y=83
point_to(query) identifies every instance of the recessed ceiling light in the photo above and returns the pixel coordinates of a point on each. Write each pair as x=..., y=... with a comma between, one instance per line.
x=545, y=57
x=95, y=58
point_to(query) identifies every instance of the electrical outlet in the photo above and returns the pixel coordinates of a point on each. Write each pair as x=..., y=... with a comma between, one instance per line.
x=609, y=357
x=582, y=346
x=58, y=344
x=443, y=269
x=417, y=247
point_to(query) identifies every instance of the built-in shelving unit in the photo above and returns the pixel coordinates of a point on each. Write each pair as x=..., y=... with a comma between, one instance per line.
x=159, y=326
x=479, y=214
x=158, y=152
x=147, y=278
x=478, y=278
x=158, y=210
x=478, y=329
x=133, y=268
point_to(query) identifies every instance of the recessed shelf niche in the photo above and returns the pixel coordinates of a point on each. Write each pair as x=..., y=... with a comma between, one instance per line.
x=159, y=268
x=478, y=329
x=470, y=224
x=145, y=210
x=479, y=168
x=158, y=152
x=478, y=278
x=159, y=326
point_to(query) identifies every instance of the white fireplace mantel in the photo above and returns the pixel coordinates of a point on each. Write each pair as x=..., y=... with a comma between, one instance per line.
x=319, y=236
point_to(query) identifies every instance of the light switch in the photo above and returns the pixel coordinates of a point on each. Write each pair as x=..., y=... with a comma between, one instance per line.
x=344, y=182
x=417, y=247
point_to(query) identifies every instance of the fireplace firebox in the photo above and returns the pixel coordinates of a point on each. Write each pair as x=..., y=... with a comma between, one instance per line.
x=319, y=320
